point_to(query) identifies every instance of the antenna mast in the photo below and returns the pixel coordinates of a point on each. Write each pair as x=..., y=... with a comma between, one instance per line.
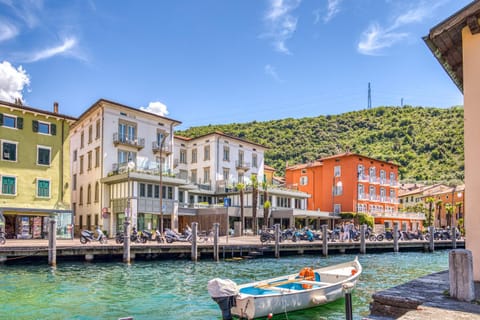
x=369, y=104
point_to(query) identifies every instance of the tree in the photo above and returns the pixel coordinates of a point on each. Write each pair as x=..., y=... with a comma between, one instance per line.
x=266, y=205
x=438, y=205
x=430, y=201
x=449, y=213
x=254, y=202
x=241, y=188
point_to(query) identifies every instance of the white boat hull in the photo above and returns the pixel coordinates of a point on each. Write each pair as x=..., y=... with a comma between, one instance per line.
x=259, y=299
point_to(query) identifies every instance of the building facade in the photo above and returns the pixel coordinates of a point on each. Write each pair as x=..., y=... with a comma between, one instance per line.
x=353, y=183
x=34, y=171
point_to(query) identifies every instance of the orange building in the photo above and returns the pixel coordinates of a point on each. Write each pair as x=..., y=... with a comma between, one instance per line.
x=448, y=204
x=351, y=182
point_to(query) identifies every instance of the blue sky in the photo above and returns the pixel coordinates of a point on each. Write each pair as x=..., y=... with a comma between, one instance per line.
x=218, y=61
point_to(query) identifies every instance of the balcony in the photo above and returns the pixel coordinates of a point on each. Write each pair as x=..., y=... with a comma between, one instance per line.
x=242, y=165
x=125, y=140
x=374, y=180
x=363, y=177
x=166, y=149
x=393, y=215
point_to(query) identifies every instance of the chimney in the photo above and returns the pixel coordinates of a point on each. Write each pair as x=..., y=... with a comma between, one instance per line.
x=55, y=107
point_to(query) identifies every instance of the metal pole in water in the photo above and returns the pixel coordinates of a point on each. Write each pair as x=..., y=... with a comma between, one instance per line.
x=324, y=240
x=215, y=241
x=52, y=243
x=347, y=289
x=194, y=241
x=395, y=236
x=363, y=245
x=277, y=241
x=431, y=230
x=454, y=238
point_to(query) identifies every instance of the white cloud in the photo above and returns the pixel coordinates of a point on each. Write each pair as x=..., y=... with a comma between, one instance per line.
x=272, y=72
x=333, y=7
x=65, y=48
x=156, y=107
x=374, y=39
x=7, y=31
x=280, y=23
x=12, y=82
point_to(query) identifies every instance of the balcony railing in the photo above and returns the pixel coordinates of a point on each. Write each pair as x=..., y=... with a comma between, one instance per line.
x=405, y=215
x=242, y=165
x=363, y=177
x=166, y=148
x=126, y=140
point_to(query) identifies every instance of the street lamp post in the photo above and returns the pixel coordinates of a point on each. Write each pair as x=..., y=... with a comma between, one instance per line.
x=160, y=170
x=126, y=233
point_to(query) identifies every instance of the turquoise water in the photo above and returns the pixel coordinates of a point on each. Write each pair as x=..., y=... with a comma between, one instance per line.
x=177, y=289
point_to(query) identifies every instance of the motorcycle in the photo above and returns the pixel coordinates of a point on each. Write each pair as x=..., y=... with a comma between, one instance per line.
x=305, y=235
x=269, y=235
x=88, y=236
x=333, y=235
x=388, y=235
x=171, y=236
x=288, y=234
x=368, y=235
x=408, y=235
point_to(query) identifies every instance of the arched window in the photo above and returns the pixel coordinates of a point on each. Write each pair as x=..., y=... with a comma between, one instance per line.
x=97, y=191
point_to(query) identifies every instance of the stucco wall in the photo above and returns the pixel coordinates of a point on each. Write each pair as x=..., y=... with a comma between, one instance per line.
x=471, y=80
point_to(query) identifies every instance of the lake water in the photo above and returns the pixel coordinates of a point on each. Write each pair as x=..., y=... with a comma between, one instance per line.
x=176, y=289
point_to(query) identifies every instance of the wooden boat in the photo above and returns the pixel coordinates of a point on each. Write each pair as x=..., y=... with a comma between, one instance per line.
x=306, y=289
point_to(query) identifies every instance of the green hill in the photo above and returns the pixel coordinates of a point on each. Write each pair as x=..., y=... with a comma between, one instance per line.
x=427, y=143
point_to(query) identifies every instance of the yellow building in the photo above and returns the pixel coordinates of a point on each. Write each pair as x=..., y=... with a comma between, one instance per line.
x=34, y=171
x=455, y=43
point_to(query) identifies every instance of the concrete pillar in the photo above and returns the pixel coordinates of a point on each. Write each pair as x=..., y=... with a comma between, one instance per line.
x=277, y=240
x=126, y=240
x=395, y=236
x=460, y=266
x=215, y=242
x=363, y=243
x=194, y=241
x=52, y=243
x=324, y=240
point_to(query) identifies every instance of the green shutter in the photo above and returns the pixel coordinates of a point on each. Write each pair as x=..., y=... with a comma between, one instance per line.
x=20, y=123
x=53, y=129
x=35, y=125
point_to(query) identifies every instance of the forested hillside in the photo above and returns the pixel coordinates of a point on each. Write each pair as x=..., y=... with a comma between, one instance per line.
x=427, y=143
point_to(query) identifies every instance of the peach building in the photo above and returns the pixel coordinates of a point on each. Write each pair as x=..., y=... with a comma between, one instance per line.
x=351, y=182
x=455, y=43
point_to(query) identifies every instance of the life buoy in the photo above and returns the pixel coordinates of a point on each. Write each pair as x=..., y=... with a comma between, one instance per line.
x=307, y=274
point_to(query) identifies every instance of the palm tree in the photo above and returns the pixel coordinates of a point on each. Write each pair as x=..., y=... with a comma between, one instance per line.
x=241, y=188
x=266, y=204
x=430, y=201
x=254, y=202
x=438, y=205
x=449, y=213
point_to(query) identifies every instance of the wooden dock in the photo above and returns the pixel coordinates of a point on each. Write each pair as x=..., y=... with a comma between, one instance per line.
x=238, y=247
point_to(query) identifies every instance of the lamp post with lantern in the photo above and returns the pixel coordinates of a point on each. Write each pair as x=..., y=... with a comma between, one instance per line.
x=160, y=172
x=126, y=229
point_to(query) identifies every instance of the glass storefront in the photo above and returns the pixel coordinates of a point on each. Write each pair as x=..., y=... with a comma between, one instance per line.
x=31, y=226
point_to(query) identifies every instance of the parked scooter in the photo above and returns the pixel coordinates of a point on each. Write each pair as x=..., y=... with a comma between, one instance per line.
x=148, y=236
x=171, y=236
x=88, y=236
x=2, y=238
x=408, y=235
x=307, y=234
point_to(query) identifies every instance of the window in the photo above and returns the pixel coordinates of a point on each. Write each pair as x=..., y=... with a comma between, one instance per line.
x=383, y=195
x=392, y=178
x=183, y=156
x=337, y=208
x=240, y=157
x=43, y=155
x=156, y=191
x=89, y=160
x=127, y=132
x=80, y=197
x=226, y=174
x=206, y=153
x=226, y=153
x=82, y=140
x=206, y=175
x=97, y=129
x=97, y=157
x=194, y=155
x=9, y=185
x=43, y=188
x=90, y=134
x=11, y=121
x=9, y=151
x=254, y=161
x=373, y=174
x=89, y=194
x=44, y=127
x=383, y=176
x=149, y=190
x=142, y=190
x=193, y=174
x=361, y=191
x=126, y=156
x=337, y=171
x=338, y=189
x=303, y=180
x=97, y=191
x=81, y=164
x=74, y=182
x=75, y=155
x=360, y=171
x=392, y=196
